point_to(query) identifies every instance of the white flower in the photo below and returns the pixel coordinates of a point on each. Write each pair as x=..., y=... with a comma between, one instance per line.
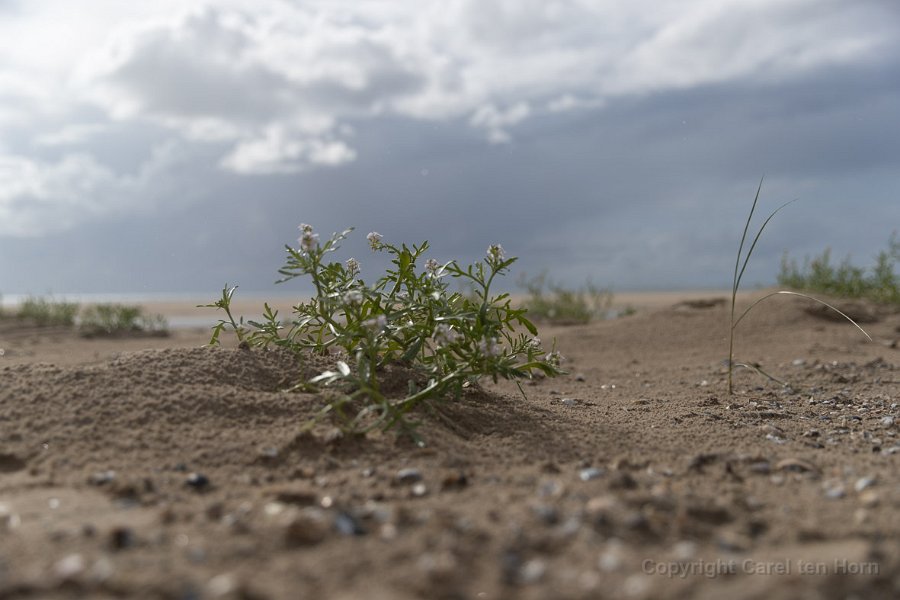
x=376, y=324
x=554, y=358
x=374, y=240
x=352, y=266
x=490, y=347
x=444, y=335
x=495, y=253
x=433, y=268
x=353, y=297
x=308, y=240
x=535, y=343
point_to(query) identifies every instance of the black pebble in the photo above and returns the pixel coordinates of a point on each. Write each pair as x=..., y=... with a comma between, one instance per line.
x=198, y=481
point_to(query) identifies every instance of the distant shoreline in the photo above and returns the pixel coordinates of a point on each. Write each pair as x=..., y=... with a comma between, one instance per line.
x=181, y=309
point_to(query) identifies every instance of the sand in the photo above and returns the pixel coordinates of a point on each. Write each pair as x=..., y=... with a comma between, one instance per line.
x=158, y=468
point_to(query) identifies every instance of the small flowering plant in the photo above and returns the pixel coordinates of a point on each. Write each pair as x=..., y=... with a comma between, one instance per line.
x=408, y=318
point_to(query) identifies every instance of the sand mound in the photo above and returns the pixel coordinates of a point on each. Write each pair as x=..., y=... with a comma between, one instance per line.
x=181, y=473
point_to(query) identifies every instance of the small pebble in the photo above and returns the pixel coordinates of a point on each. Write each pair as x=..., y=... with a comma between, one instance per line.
x=610, y=560
x=863, y=483
x=796, y=465
x=222, y=585
x=551, y=489
x=762, y=467
x=102, y=477
x=869, y=498
x=306, y=529
x=835, y=491
x=454, y=481
x=532, y=571
x=101, y=570
x=69, y=566
x=268, y=452
x=887, y=422
x=346, y=524
x=548, y=515
x=121, y=538
x=8, y=519
x=439, y=566
x=570, y=402
x=591, y=473
x=731, y=542
x=295, y=494
x=685, y=550
x=198, y=481
x=409, y=475
x=419, y=489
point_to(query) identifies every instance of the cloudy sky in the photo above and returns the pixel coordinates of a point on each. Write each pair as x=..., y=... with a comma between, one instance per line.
x=174, y=145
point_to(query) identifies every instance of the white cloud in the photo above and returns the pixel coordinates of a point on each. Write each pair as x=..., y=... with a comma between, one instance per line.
x=68, y=135
x=496, y=121
x=41, y=197
x=749, y=40
x=277, y=151
x=38, y=198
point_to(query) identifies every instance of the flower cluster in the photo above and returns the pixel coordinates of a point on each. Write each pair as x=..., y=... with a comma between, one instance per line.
x=433, y=267
x=308, y=240
x=376, y=323
x=495, y=254
x=353, y=297
x=490, y=346
x=444, y=335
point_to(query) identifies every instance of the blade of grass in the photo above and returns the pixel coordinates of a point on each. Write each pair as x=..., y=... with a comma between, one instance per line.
x=808, y=297
x=739, y=269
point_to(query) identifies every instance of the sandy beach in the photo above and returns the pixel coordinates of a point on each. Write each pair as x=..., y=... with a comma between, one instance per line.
x=161, y=468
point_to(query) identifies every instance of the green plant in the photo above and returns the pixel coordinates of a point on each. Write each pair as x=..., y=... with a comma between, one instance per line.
x=119, y=319
x=739, y=267
x=879, y=283
x=552, y=302
x=407, y=320
x=46, y=313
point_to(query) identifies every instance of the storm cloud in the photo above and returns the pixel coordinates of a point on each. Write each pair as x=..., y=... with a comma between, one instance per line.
x=174, y=147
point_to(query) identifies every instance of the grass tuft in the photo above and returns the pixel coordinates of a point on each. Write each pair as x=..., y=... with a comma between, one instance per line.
x=109, y=320
x=553, y=303
x=879, y=282
x=48, y=313
x=740, y=267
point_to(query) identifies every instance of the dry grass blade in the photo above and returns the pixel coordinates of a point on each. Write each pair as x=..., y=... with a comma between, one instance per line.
x=808, y=297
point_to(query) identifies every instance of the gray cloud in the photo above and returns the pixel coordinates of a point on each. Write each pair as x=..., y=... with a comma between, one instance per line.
x=627, y=143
